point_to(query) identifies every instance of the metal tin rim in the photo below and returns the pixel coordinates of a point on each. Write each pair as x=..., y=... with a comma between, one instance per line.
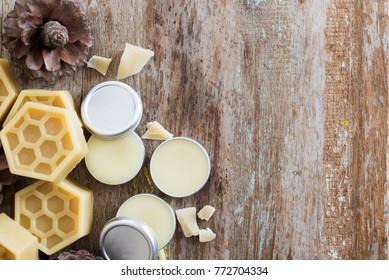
x=142, y=227
x=208, y=163
x=139, y=139
x=165, y=203
x=98, y=132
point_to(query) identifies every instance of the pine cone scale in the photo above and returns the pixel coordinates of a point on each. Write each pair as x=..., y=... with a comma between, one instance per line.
x=27, y=35
x=51, y=59
x=69, y=55
x=27, y=20
x=19, y=49
x=34, y=59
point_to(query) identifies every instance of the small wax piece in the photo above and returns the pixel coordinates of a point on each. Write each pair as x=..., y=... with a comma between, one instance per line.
x=180, y=167
x=57, y=213
x=187, y=220
x=133, y=59
x=43, y=142
x=206, y=213
x=16, y=243
x=115, y=162
x=9, y=88
x=101, y=64
x=154, y=212
x=162, y=255
x=156, y=131
x=59, y=98
x=206, y=235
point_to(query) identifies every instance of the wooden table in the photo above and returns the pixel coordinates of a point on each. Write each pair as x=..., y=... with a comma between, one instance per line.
x=290, y=98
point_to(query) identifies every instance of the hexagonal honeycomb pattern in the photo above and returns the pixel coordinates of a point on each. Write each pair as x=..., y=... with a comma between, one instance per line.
x=43, y=142
x=56, y=213
x=9, y=88
x=61, y=99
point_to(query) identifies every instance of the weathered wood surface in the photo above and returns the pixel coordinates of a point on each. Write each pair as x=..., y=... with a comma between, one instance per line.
x=290, y=98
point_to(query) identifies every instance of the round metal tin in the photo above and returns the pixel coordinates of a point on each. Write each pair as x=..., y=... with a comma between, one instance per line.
x=170, y=210
x=125, y=238
x=161, y=188
x=111, y=109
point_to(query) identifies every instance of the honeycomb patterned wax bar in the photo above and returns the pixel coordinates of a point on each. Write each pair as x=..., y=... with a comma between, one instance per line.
x=57, y=213
x=16, y=243
x=60, y=98
x=8, y=88
x=43, y=142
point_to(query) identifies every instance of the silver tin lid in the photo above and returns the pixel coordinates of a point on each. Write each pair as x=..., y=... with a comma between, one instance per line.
x=111, y=109
x=124, y=238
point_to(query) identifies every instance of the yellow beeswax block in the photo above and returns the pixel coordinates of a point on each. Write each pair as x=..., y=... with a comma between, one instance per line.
x=57, y=213
x=9, y=88
x=16, y=243
x=43, y=142
x=60, y=98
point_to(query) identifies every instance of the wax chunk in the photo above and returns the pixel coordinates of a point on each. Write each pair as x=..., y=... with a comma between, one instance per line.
x=9, y=88
x=156, y=131
x=206, y=235
x=101, y=64
x=162, y=255
x=16, y=243
x=206, y=212
x=187, y=220
x=43, y=142
x=60, y=98
x=57, y=213
x=133, y=59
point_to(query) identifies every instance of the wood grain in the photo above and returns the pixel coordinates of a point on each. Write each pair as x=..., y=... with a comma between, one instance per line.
x=289, y=97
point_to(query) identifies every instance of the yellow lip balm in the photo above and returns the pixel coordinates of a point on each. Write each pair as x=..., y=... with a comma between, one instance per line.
x=180, y=167
x=115, y=162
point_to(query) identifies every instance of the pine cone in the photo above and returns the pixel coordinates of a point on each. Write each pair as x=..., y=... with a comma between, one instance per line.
x=78, y=255
x=7, y=179
x=48, y=38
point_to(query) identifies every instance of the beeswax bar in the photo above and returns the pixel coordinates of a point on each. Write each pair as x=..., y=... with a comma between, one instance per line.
x=57, y=213
x=43, y=142
x=16, y=243
x=9, y=88
x=60, y=98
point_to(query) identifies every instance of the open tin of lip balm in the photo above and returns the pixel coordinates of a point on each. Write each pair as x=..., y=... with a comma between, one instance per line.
x=180, y=167
x=153, y=211
x=111, y=110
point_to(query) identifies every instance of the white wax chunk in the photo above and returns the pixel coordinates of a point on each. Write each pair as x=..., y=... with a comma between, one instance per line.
x=115, y=162
x=206, y=235
x=206, y=212
x=187, y=220
x=154, y=212
x=180, y=167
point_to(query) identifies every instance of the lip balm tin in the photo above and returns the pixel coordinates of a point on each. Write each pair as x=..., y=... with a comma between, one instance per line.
x=153, y=211
x=180, y=167
x=125, y=238
x=111, y=109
